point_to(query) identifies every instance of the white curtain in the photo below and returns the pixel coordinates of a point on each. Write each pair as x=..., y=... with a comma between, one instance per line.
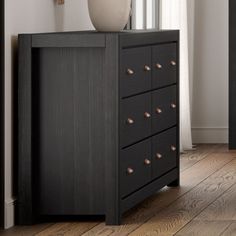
x=145, y=14
x=174, y=16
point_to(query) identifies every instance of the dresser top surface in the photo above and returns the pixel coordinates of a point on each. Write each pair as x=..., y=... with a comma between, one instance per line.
x=91, y=39
x=94, y=32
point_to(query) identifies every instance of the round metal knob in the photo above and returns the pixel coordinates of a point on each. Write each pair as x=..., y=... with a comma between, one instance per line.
x=147, y=162
x=173, y=105
x=130, y=72
x=130, y=121
x=159, y=156
x=158, y=111
x=130, y=171
x=173, y=63
x=147, y=115
x=158, y=66
x=147, y=68
x=173, y=148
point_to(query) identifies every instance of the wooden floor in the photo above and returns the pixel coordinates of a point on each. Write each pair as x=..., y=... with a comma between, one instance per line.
x=205, y=204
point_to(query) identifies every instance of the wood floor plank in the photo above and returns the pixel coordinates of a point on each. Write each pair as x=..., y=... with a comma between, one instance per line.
x=223, y=208
x=230, y=231
x=182, y=211
x=189, y=179
x=68, y=229
x=24, y=230
x=190, y=158
x=204, y=228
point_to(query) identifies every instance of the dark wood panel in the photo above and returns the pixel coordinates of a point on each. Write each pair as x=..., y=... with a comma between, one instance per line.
x=164, y=108
x=135, y=167
x=135, y=74
x=148, y=190
x=25, y=167
x=147, y=37
x=164, y=156
x=111, y=96
x=2, y=100
x=71, y=134
x=135, y=120
x=74, y=117
x=232, y=74
x=164, y=65
x=68, y=40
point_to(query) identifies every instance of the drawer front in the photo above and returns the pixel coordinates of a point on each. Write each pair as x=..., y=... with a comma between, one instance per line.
x=135, y=167
x=135, y=71
x=135, y=121
x=164, y=59
x=164, y=152
x=164, y=109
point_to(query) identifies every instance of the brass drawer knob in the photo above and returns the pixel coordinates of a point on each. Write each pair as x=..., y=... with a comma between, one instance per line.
x=173, y=63
x=158, y=66
x=147, y=68
x=173, y=105
x=130, y=171
x=159, y=156
x=130, y=121
x=147, y=115
x=158, y=110
x=147, y=162
x=173, y=148
x=130, y=72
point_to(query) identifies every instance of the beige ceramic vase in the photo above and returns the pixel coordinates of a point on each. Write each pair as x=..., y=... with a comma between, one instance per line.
x=109, y=15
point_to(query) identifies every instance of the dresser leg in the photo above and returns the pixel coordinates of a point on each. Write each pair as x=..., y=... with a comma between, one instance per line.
x=175, y=183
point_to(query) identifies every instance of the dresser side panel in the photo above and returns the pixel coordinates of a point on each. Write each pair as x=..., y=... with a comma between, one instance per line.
x=71, y=130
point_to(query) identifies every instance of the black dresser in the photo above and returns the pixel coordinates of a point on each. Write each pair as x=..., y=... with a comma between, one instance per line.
x=98, y=121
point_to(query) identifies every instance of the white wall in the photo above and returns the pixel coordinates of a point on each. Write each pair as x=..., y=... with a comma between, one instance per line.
x=31, y=16
x=210, y=72
x=72, y=16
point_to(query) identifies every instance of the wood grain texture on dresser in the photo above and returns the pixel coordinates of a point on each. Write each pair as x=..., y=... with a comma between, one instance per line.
x=111, y=98
x=85, y=101
x=25, y=157
x=68, y=130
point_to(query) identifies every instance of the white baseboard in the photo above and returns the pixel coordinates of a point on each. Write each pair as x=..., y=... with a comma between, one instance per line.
x=210, y=135
x=9, y=213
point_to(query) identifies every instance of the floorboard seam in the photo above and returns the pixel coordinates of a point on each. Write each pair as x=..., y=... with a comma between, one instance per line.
x=232, y=222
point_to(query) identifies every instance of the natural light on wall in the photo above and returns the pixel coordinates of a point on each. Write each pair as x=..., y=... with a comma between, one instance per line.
x=145, y=14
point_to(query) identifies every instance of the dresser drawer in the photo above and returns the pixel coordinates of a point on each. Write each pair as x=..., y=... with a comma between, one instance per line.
x=135, y=71
x=164, y=59
x=135, y=167
x=164, y=152
x=164, y=109
x=135, y=121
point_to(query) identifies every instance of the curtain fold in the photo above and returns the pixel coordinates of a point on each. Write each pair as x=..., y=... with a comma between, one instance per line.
x=173, y=15
x=145, y=14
